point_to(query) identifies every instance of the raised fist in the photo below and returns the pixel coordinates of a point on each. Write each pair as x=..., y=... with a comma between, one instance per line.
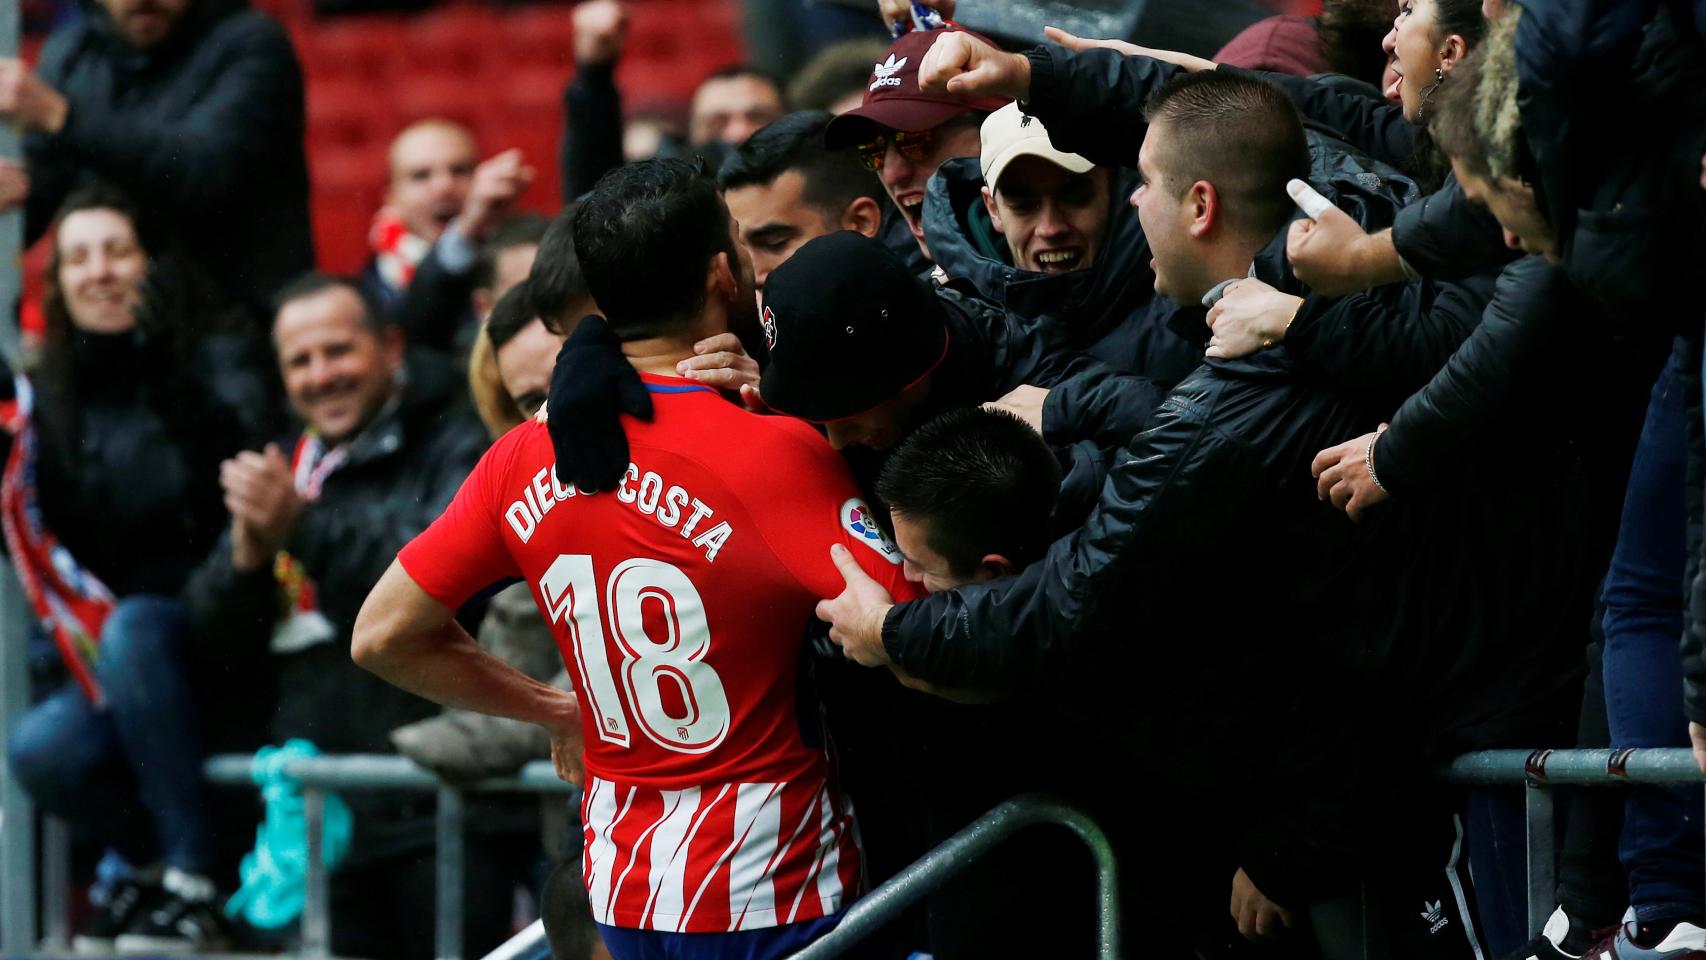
x=601, y=28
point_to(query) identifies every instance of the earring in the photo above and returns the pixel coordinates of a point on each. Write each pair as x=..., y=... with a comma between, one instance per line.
x=1439, y=75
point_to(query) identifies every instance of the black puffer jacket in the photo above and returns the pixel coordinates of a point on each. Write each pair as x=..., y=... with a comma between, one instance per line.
x=128, y=458
x=400, y=474
x=205, y=132
x=1217, y=481
x=1630, y=219
x=1515, y=387
x=1399, y=617
x=1108, y=310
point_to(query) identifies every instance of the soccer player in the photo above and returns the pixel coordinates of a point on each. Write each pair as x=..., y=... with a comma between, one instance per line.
x=680, y=600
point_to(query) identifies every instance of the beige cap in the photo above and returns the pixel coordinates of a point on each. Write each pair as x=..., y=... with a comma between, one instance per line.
x=1009, y=134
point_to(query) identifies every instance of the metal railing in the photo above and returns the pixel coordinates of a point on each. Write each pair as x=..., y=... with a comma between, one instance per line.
x=1537, y=772
x=916, y=882
x=317, y=775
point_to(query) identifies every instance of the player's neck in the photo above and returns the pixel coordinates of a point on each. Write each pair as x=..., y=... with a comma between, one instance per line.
x=659, y=356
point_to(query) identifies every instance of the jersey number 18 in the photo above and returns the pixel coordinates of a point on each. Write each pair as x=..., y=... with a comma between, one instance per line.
x=650, y=667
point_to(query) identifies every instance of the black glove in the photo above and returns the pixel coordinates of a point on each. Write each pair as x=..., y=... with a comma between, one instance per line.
x=591, y=387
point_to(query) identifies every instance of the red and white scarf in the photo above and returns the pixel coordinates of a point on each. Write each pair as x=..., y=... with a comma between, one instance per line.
x=396, y=251
x=68, y=600
x=301, y=624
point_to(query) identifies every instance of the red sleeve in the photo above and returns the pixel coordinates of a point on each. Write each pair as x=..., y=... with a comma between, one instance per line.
x=463, y=551
x=818, y=506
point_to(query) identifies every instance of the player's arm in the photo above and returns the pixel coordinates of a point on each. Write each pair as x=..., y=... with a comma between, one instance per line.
x=413, y=641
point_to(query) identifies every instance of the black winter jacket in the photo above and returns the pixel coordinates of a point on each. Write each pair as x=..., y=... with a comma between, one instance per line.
x=1628, y=220
x=401, y=473
x=204, y=132
x=1126, y=620
x=1108, y=310
x=128, y=457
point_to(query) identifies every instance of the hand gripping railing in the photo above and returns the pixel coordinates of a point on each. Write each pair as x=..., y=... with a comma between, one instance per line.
x=936, y=867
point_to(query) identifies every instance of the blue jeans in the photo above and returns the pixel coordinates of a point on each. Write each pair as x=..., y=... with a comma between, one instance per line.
x=127, y=774
x=1644, y=611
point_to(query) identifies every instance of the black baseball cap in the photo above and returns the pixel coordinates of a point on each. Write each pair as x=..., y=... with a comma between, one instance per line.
x=849, y=328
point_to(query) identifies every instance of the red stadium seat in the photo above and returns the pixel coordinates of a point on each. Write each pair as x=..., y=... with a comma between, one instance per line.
x=542, y=35
x=341, y=114
x=500, y=71
x=457, y=40
x=340, y=229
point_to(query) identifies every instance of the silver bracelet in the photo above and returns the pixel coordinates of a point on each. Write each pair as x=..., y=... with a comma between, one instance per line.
x=1368, y=461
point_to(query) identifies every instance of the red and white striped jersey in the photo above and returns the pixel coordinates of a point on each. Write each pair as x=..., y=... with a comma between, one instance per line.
x=735, y=856
x=680, y=602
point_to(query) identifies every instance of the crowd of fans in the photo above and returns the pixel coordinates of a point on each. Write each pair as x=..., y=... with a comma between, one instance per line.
x=1259, y=432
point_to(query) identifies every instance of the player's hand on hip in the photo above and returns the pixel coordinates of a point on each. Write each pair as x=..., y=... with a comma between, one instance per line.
x=1697, y=736
x=568, y=751
x=855, y=616
x=1259, y=919
x=568, y=755
x=721, y=362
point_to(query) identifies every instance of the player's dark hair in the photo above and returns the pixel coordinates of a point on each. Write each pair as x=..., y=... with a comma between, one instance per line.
x=833, y=178
x=646, y=234
x=557, y=281
x=510, y=315
x=521, y=230
x=373, y=316
x=980, y=482
x=1238, y=133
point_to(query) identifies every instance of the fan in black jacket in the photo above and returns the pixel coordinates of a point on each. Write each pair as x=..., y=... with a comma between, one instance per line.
x=203, y=125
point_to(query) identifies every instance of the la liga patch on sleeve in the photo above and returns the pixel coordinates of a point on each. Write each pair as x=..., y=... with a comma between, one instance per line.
x=858, y=520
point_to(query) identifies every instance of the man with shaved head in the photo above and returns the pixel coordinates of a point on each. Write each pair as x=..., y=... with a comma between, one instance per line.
x=441, y=204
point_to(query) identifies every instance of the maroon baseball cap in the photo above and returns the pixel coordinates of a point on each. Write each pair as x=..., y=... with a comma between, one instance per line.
x=893, y=100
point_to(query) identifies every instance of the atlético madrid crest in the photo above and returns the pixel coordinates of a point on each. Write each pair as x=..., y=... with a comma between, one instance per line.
x=858, y=520
x=767, y=320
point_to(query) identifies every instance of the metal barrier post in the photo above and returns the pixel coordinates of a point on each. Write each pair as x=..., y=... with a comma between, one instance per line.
x=448, y=912
x=1542, y=877
x=17, y=814
x=316, y=910
x=55, y=883
x=916, y=881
